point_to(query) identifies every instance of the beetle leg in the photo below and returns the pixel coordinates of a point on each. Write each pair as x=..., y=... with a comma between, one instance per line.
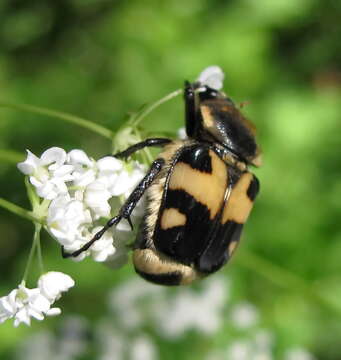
x=146, y=143
x=126, y=209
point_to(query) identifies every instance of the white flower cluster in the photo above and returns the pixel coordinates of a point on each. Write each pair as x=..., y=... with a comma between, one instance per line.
x=174, y=313
x=23, y=303
x=80, y=189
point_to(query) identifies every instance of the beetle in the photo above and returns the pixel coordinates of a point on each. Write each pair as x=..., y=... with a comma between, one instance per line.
x=199, y=192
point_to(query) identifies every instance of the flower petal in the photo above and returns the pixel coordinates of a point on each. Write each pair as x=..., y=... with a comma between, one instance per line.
x=54, y=157
x=77, y=156
x=212, y=76
x=30, y=164
x=53, y=283
x=109, y=163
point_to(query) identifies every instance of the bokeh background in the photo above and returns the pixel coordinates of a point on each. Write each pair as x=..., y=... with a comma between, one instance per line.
x=99, y=59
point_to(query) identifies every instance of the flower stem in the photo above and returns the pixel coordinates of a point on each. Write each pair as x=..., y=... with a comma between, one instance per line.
x=101, y=130
x=30, y=258
x=15, y=209
x=35, y=246
x=149, y=108
x=37, y=230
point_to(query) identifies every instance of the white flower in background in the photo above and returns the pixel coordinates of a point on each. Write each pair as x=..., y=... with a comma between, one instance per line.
x=189, y=310
x=240, y=350
x=298, y=354
x=111, y=343
x=143, y=348
x=136, y=302
x=212, y=76
x=244, y=315
x=125, y=301
x=81, y=189
x=22, y=303
x=37, y=346
x=69, y=342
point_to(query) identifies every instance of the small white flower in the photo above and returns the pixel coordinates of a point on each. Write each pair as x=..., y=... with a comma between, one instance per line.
x=65, y=219
x=126, y=181
x=182, y=135
x=96, y=197
x=212, y=76
x=30, y=165
x=109, y=164
x=48, y=173
x=78, y=158
x=53, y=283
x=84, y=168
x=103, y=248
x=22, y=304
x=53, y=158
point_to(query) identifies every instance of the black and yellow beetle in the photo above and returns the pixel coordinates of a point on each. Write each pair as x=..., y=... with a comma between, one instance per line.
x=199, y=192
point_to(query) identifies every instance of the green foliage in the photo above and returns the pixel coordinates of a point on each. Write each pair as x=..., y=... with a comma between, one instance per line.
x=102, y=59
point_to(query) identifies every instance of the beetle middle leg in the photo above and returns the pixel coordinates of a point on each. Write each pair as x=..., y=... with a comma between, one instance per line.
x=126, y=209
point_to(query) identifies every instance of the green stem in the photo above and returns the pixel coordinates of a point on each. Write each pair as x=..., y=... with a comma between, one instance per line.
x=36, y=241
x=38, y=244
x=285, y=278
x=15, y=209
x=11, y=156
x=147, y=110
x=101, y=130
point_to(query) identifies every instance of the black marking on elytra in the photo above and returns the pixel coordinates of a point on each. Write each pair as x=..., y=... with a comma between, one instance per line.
x=216, y=253
x=253, y=188
x=172, y=278
x=197, y=157
x=184, y=243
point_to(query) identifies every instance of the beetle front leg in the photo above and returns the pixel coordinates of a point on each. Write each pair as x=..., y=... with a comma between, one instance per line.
x=126, y=209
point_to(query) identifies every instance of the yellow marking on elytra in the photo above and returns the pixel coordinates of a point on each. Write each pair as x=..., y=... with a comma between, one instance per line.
x=232, y=247
x=171, y=218
x=208, y=189
x=239, y=205
x=207, y=117
x=152, y=262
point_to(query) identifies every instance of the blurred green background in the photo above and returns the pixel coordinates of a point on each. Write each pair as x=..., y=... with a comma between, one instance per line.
x=102, y=59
